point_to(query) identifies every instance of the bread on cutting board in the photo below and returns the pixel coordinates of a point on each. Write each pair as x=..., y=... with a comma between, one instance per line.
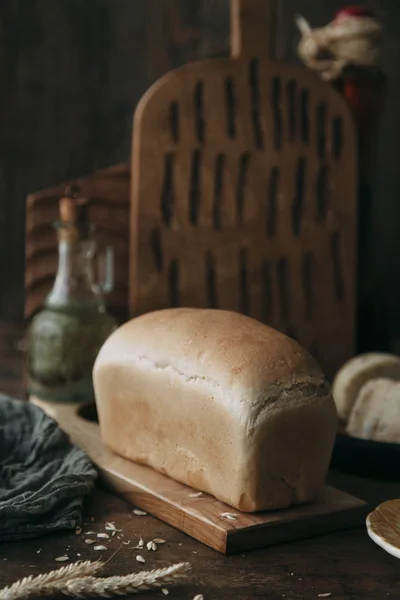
x=220, y=402
x=376, y=413
x=358, y=371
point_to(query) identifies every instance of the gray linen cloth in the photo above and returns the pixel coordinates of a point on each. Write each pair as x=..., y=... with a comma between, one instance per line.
x=43, y=478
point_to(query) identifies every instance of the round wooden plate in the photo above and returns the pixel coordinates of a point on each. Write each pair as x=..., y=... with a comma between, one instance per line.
x=383, y=528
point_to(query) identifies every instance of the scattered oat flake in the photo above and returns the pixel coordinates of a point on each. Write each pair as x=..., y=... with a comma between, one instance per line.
x=199, y=597
x=159, y=541
x=88, y=541
x=165, y=591
x=38, y=551
x=139, y=513
x=111, y=527
x=229, y=516
x=196, y=495
x=325, y=595
x=151, y=546
x=140, y=544
x=103, y=536
x=62, y=558
x=90, y=533
x=78, y=553
x=140, y=559
x=126, y=543
x=78, y=530
x=100, y=548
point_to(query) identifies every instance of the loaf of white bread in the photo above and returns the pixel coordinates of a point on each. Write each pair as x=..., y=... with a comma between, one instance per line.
x=376, y=413
x=220, y=402
x=357, y=372
x=366, y=391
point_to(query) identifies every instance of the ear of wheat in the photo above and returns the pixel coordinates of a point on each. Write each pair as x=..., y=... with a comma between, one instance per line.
x=78, y=581
x=31, y=586
x=89, y=587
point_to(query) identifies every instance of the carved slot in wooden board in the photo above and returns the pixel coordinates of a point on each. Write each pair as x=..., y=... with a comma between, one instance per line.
x=244, y=193
x=108, y=192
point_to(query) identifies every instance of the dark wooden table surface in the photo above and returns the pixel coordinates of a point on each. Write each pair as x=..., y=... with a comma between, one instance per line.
x=347, y=565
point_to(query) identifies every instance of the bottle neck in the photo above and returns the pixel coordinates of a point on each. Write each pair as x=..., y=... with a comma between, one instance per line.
x=74, y=288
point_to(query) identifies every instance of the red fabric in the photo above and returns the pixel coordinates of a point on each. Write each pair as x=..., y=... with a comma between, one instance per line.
x=353, y=11
x=359, y=95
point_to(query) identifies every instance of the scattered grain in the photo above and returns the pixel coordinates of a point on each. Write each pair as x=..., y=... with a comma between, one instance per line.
x=140, y=559
x=139, y=513
x=159, y=541
x=100, y=548
x=229, y=516
x=89, y=541
x=103, y=536
x=111, y=527
x=165, y=591
x=196, y=495
x=151, y=546
x=62, y=558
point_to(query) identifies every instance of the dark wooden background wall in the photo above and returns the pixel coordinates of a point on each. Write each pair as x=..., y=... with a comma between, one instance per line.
x=71, y=73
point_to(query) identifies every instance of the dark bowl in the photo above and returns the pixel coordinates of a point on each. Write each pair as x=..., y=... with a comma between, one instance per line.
x=378, y=460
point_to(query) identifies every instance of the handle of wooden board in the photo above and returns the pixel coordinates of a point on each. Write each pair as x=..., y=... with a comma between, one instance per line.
x=68, y=416
x=253, y=23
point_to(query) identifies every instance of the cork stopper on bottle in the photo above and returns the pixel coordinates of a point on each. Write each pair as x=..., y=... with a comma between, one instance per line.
x=74, y=212
x=73, y=207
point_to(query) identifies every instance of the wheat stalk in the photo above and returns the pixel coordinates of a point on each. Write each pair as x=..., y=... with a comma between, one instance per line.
x=76, y=583
x=31, y=586
x=89, y=587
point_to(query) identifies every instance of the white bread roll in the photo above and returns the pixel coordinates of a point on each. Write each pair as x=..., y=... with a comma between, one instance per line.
x=376, y=413
x=220, y=402
x=356, y=372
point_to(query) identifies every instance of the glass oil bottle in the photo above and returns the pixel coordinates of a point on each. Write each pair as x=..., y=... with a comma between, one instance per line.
x=66, y=335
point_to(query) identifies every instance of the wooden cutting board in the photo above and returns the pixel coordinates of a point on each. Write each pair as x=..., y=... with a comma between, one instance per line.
x=244, y=192
x=201, y=517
